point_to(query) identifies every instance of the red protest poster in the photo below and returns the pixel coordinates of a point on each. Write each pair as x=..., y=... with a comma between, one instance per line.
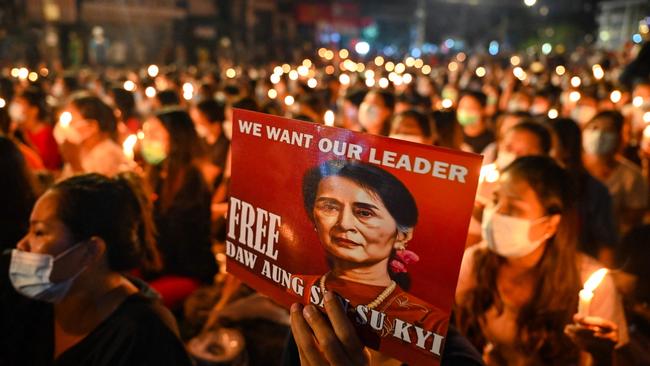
x=381, y=222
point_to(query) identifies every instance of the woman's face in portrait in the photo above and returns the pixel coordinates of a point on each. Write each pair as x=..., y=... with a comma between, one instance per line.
x=353, y=224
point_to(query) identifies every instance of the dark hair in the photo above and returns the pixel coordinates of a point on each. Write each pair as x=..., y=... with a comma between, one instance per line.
x=539, y=130
x=17, y=193
x=121, y=216
x=246, y=103
x=168, y=97
x=184, y=149
x=213, y=110
x=93, y=108
x=35, y=98
x=355, y=96
x=479, y=96
x=447, y=128
x=540, y=322
x=422, y=120
x=392, y=192
x=387, y=97
x=125, y=102
x=569, y=137
x=615, y=117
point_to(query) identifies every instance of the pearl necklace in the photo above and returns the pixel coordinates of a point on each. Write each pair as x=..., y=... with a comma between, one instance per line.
x=376, y=302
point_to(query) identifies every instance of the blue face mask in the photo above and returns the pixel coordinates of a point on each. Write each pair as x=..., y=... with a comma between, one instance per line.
x=597, y=142
x=30, y=275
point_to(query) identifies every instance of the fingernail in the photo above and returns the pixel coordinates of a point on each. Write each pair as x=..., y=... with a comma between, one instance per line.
x=296, y=307
x=329, y=296
x=309, y=311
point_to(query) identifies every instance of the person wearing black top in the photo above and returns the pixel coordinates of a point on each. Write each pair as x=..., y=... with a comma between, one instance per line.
x=67, y=301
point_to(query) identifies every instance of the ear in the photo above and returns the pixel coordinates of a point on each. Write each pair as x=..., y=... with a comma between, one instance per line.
x=553, y=223
x=403, y=237
x=96, y=248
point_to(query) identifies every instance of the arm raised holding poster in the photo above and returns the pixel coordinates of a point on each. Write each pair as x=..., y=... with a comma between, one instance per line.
x=380, y=222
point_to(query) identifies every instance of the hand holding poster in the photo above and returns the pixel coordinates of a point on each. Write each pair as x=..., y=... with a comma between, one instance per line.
x=380, y=222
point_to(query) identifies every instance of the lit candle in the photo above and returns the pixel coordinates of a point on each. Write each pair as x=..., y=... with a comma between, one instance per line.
x=329, y=118
x=587, y=292
x=128, y=146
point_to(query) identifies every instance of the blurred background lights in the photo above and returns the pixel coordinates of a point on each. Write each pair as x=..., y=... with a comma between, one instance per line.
x=362, y=48
x=598, y=71
x=553, y=113
x=615, y=96
x=344, y=79
x=288, y=100
x=515, y=60
x=493, y=49
x=150, y=92
x=575, y=81
x=129, y=85
x=547, y=48
x=636, y=38
x=637, y=101
x=231, y=73
x=574, y=96
x=272, y=93
x=530, y=2
x=153, y=70
x=560, y=70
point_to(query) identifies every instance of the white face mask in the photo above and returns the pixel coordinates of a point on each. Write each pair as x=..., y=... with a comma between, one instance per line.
x=30, y=275
x=505, y=158
x=17, y=112
x=404, y=137
x=508, y=236
x=227, y=129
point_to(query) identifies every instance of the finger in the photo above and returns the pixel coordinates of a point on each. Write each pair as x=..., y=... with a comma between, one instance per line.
x=304, y=338
x=327, y=340
x=342, y=326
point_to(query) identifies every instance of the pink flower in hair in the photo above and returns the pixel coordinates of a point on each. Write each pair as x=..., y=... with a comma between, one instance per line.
x=407, y=256
x=397, y=267
x=402, y=258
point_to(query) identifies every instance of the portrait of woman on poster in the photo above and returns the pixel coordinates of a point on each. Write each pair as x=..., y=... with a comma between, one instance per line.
x=364, y=218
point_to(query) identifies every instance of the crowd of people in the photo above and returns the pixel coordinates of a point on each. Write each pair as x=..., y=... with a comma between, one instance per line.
x=114, y=188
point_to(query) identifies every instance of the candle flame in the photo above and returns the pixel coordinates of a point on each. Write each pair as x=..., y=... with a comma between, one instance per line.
x=128, y=145
x=595, y=279
x=65, y=119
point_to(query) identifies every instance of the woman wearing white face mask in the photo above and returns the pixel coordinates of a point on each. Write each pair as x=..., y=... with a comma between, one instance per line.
x=84, y=234
x=375, y=112
x=602, y=140
x=518, y=290
x=87, y=140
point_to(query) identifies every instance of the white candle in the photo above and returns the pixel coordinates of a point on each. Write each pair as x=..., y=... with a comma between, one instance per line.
x=128, y=146
x=585, y=301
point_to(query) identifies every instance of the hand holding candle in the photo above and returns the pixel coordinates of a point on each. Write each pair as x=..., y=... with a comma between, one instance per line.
x=587, y=292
